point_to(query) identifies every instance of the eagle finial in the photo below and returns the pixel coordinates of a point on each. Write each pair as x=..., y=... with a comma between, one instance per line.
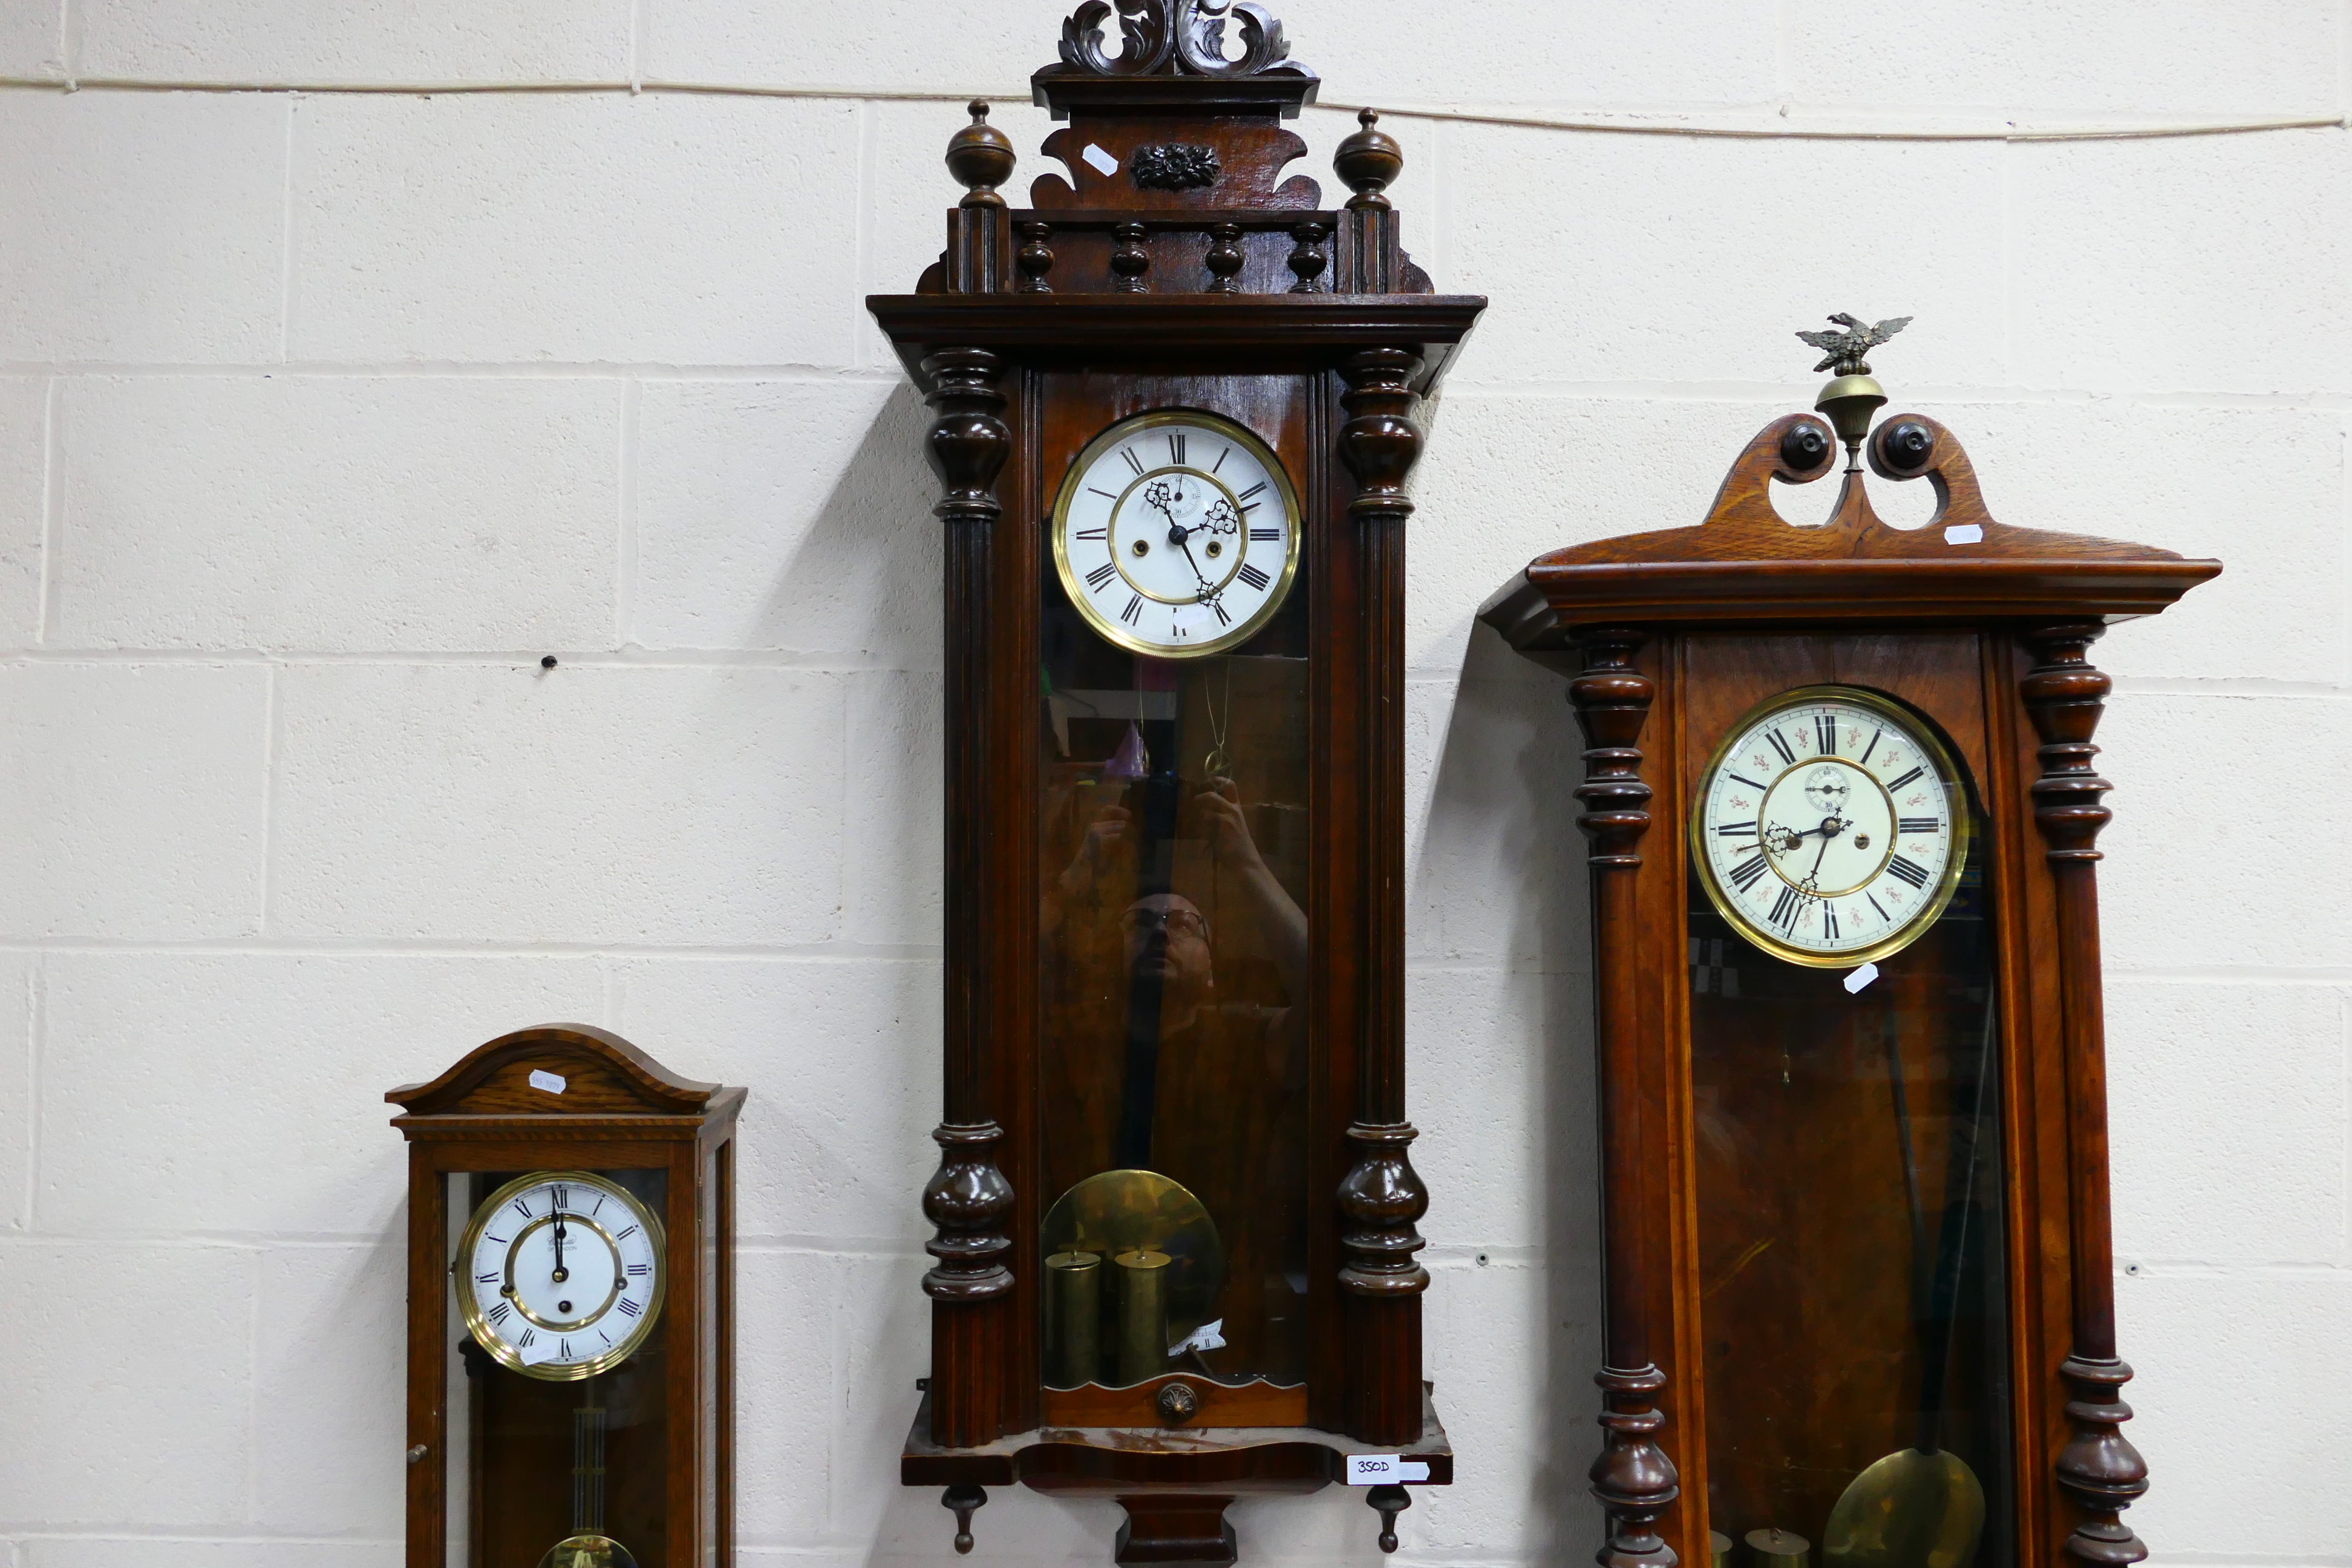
x=1841, y=353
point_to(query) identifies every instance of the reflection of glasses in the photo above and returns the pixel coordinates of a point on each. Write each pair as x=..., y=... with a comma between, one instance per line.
x=1175, y=922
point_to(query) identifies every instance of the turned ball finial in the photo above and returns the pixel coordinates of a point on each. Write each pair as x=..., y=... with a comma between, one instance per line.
x=981, y=158
x=1369, y=161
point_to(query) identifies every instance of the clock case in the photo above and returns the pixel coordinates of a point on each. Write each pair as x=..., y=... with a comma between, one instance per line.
x=617, y=1111
x=1669, y=639
x=1194, y=277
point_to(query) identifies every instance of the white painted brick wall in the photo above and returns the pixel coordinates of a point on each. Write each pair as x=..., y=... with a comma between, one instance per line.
x=322, y=414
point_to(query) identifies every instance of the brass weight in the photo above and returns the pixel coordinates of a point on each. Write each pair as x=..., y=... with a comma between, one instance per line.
x=1778, y=1549
x=1142, y=1350
x=1073, y=1319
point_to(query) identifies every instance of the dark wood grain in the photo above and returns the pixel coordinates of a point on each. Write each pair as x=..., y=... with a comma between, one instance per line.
x=1199, y=273
x=1670, y=637
x=1632, y=1478
x=2098, y=1468
x=1744, y=566
x=620, y=1110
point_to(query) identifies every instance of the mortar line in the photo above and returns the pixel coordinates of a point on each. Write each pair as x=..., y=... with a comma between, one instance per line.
x=624, y=585
x=862, y=227
x=52, y=505
x=286, y=241
x=427, y=947
x=37, y=1023
x=455, y=370
x=269, y=796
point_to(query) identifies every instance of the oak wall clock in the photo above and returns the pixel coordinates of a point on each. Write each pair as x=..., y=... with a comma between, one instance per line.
x=1860, y=1304
x=571, y=1309
x=1174, y=401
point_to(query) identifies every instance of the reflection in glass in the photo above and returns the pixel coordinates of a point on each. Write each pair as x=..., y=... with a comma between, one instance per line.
x=565, y=1475
x=1850, y=1247
x=1173, y=980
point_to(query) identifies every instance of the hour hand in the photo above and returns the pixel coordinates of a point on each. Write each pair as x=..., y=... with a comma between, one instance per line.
x=1780, y=840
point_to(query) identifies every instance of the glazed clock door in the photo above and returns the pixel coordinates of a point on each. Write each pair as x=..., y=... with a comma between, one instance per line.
x=1173, y=743
x=1845, y=1065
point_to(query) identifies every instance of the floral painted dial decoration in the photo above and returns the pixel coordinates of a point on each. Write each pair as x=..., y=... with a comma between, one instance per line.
x=1176, y=534
x=1832, y=826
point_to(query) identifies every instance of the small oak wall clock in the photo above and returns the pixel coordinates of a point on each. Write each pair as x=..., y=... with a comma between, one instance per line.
x=1175, y=400
x=1852, y=1110
x=571, y=1309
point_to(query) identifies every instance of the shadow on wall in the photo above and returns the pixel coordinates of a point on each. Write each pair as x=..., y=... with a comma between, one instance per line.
x=1500, y=872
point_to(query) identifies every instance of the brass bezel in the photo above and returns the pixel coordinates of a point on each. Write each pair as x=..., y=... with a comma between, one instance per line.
x=494, y=1344
x=1916, y=728
x=1108, y=628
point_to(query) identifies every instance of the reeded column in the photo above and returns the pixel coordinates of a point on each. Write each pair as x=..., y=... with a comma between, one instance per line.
x=2098, y=1468
x=968, y=1199
x=1381, y=1198
x=1634, y=1478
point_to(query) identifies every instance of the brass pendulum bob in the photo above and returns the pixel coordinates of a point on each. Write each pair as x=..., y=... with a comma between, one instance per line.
x=1922, y=1507
x=588, y=1546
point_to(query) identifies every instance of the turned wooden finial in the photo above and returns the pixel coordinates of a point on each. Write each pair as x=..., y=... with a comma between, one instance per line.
x=1369, y=161
x=981, y=158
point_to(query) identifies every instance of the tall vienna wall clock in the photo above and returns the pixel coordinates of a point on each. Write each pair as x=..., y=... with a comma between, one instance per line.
x=1175, y=400
x=1860, y=1304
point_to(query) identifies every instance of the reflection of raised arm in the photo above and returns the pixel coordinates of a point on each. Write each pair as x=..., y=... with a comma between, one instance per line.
x=1227, y=829
x=1105, y=850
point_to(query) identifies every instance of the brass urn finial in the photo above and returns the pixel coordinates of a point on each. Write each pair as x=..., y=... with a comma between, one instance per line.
x=981, y=158
x=1855, y=394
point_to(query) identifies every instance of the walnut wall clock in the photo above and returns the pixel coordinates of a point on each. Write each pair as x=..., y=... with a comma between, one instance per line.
x=1175, y=400
x=1860, y=1304
x=571, y=1309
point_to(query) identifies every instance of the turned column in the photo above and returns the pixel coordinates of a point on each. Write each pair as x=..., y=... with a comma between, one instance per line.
x=1381, y=1199
x=1632, y=1478
x=968, y=1199
x=2098, y=1468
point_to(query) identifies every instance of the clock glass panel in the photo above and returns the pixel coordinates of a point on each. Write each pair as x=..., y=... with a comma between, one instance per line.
x=558, y=1456
x=1851, y=1228
x=1174, y=945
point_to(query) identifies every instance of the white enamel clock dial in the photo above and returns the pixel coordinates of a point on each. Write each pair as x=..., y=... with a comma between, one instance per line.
x=1176, y=534
x=559, y=1275
x=1831, y=828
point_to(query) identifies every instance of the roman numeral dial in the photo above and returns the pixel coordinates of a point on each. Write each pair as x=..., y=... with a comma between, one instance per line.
x=560, y=1276
x=1830, y=827
x=1176, y=534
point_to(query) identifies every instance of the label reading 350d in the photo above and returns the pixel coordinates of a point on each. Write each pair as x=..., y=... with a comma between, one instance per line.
x=1383, y=1469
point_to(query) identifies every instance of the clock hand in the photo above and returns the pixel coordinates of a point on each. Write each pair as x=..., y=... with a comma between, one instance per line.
x=561, y=1273
x=1176, y=536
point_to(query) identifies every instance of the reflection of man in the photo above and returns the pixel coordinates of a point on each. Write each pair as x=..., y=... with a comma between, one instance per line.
x=1208, y=1091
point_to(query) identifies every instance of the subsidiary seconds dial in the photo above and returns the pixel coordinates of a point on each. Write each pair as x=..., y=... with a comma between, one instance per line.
x=1831, y=828
x=559, y=1275
x=1176, y=534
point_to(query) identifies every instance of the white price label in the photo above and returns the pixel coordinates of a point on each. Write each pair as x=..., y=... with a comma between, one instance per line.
x=1103, y=161
x=1383, y=1469
x=1859, y=978
x=1964, y=534
x=552, y=1082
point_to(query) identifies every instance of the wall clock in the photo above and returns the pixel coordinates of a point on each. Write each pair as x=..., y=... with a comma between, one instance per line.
x=1174, y=403
x=1830, y=827
x=1859, y=1294
x=571, y=1308
x=1176, y=534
